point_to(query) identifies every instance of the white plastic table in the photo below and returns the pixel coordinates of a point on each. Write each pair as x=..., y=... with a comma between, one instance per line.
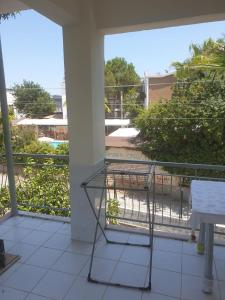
x=208, y=209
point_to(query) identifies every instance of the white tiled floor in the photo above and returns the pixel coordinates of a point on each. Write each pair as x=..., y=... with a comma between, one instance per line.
x=54, y=267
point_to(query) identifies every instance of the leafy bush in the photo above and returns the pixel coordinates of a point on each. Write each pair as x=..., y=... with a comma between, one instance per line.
x=4, y=201
x=22, y=137
x=44, y=189
x=62, y=149
x=39, y=147
x=177, y=131
x=112, y=210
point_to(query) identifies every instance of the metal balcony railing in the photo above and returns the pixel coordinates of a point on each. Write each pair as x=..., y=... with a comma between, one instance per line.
x=42, y=186
x=5, y=206
x=171, y=192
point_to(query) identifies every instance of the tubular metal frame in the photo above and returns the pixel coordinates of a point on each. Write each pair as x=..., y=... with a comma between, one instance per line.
x=90, y=184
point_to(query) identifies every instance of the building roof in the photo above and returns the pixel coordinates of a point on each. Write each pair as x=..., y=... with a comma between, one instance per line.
x=44, y=122
x=160, y=75
x=122, y=138
x=63, y=122
x=125, y=132
x=117, y=122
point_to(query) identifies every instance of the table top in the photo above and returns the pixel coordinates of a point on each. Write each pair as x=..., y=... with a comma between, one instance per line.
x=208, y=202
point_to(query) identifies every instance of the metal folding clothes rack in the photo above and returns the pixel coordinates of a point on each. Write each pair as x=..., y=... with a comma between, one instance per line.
x=115, y=178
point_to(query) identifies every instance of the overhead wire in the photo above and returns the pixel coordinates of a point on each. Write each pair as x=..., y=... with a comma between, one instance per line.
x=112, y=103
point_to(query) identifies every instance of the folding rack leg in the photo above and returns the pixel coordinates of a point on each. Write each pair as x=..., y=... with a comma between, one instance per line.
x=150, y=226
x=98, y=224
x=93, y=210
x=95, y=237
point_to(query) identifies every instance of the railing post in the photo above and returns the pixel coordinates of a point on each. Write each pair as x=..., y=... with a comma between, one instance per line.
x=7, y=137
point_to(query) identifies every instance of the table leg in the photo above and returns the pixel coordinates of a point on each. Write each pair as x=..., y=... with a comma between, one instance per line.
x=201, y=239
x=208, y=269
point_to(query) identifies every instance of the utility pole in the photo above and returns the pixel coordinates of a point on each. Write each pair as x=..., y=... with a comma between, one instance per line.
x=7, y=137
x=146, y=81
x=121, y=105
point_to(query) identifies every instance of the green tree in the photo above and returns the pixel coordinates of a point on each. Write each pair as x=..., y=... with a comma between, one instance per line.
x=206, y=61
x=132, y=104
x=32, y=100
x=191, y=127
x=106, y=105
x=6, y=16
x=119, y=72
x=121, y=77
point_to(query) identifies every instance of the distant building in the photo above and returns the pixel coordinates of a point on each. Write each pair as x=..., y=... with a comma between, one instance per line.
x=64, y=106
x=11, y=103
x=158, y=87
x=116, y=101
x=58, y=103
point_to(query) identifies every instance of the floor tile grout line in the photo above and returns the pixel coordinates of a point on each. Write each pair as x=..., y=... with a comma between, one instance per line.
x=217, y=279
x=46, y=269
x=116, y=264
x=12, y=288
x=66, y=250
x=4, y=280
x=74, y=281
x=30, y=264
x=119, y=261
x=37, y=295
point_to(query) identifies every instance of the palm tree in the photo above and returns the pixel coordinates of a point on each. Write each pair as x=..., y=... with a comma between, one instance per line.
x=208, y=57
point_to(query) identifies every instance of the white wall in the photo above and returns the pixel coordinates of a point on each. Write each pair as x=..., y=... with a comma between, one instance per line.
x=84, y=77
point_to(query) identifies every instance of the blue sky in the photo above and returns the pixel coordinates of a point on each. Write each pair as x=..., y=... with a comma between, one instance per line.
x=33, y=48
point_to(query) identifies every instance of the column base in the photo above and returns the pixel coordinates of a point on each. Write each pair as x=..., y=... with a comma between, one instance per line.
x=207, y=286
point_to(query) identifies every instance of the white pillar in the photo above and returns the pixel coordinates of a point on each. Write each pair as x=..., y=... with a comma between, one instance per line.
x=84, y=77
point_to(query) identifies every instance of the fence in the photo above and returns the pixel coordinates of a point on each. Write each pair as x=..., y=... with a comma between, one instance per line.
x=42, y=186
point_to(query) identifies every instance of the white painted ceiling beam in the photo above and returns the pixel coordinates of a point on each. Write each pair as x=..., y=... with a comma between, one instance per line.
x=61, y=12
x=11, y=6
x=115, y=16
